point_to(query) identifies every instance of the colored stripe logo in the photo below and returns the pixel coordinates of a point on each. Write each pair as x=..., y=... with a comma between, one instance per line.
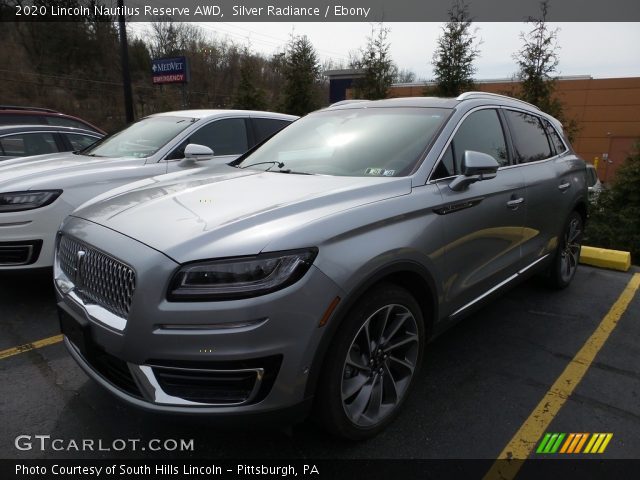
x=574, y=443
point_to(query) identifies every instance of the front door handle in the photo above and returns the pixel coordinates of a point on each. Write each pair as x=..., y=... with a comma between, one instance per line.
x=515, y=203
x=564, y=186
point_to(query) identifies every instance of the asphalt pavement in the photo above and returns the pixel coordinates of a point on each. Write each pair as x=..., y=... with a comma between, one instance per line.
x=480, y=383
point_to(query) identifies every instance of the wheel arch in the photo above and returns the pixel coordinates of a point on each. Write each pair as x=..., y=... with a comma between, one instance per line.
x=413, y=277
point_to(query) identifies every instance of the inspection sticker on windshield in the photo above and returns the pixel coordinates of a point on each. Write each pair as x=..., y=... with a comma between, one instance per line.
x=380, y=172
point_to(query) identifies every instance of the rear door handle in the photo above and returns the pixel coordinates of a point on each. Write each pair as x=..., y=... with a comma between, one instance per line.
x=515, y=203
x=564, y=186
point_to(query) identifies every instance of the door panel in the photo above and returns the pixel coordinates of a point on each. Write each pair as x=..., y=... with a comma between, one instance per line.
x=483, y=232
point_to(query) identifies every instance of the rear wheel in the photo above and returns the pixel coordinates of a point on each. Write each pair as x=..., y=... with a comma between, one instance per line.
x=372, y=364
x=567, y=255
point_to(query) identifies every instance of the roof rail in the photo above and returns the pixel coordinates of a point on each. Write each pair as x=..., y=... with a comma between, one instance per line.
x=346, y=102
x=476, y=95
x=36, y=109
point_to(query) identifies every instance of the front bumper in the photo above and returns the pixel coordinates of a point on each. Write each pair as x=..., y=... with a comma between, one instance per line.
x=227, y=357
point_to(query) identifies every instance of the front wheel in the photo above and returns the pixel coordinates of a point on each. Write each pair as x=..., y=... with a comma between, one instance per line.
x=372, y=363
x=567, y=255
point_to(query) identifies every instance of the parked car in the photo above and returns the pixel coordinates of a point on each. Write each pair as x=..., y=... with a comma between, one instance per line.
x=28, y=140
x=37, y=193
x=312, y=271
x=14, y=115
x=593, y=182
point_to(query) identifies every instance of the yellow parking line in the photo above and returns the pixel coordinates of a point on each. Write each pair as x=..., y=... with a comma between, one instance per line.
x=10, y=352
x=511, y=459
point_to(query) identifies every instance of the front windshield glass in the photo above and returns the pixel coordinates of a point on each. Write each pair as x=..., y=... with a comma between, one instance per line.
x=142, y=139
x=381, y=142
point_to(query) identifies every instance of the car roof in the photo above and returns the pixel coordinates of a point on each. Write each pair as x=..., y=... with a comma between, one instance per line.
x=46, y=112
x=9, y=129
x=396, y=102
x=19, y=108
x=467, y=99
x=207, y=113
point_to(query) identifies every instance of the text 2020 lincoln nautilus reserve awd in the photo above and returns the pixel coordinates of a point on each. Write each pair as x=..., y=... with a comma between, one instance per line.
x=311, y=272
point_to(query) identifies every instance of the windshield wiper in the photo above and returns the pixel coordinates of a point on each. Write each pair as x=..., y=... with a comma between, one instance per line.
x=278, y=164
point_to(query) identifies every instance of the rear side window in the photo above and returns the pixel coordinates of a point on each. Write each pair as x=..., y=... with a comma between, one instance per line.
x=224, y=137
x=556, y=141
x=18, y=119
x=529, y=137
x=65, y=122
x=265, y=127
x=482, y=132
x=26, y=144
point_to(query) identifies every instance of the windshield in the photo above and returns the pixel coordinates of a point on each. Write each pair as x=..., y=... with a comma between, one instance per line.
x=142, y=139
x=381, y=142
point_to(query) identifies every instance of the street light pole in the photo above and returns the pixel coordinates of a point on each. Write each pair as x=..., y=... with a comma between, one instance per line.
x=124, y=57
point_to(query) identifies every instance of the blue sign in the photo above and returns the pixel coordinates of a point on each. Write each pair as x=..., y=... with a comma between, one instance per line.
x=170, y=70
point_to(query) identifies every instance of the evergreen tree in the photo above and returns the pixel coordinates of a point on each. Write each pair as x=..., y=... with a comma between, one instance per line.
x=537, y=62
x=379, y=69
x=614, y=221
x=301, y=70
x=456, y=51
x=248, y=95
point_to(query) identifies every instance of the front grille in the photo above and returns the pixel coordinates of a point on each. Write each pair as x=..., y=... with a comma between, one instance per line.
x=19, y=253
x=97, y=277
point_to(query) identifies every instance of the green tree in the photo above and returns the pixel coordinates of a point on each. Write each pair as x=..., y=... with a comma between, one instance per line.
x=537, y=63
x=615, y=218
x=379, y=69
x=301, y=71
x=455, y=53
x=248, y=95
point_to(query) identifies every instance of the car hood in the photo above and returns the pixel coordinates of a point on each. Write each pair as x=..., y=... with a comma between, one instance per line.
x=232, y=212
x=39, y=171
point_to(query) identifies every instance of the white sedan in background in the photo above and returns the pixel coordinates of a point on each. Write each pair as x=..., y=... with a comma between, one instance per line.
x=37, y=193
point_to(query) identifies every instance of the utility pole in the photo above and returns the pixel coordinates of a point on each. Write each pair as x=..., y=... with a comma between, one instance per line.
x=124, y=57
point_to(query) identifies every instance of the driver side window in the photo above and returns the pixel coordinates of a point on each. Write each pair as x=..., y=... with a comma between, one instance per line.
x=482, y=132
x=224, y=137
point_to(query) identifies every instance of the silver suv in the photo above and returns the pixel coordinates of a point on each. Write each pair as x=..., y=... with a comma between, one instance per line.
x=312, y=271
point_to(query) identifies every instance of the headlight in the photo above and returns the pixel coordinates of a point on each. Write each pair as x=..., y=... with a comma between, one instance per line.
x=19, y=201
x=240, y=277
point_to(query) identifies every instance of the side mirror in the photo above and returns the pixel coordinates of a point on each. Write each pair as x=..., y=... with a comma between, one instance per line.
x=476, y=166
x=195, y=152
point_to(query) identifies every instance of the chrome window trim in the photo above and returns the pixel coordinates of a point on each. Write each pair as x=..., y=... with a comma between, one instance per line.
x=30, y=132
x=515, y=165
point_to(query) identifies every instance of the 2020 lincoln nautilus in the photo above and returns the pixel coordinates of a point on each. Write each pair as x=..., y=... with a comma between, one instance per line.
x=310, y=273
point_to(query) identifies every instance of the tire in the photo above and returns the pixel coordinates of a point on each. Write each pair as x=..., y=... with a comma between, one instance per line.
x=361, y=390
x=567, y=255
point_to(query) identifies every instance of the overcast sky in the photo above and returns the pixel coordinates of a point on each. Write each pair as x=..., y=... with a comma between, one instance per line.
x=598, y=49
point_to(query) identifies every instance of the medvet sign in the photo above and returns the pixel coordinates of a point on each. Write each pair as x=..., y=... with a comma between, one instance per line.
x=170, y=70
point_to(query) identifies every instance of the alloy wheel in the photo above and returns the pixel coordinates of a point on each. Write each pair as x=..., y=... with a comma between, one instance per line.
x=380, y=364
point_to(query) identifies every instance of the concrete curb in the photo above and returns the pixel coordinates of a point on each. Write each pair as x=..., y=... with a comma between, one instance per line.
x=604, y=258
